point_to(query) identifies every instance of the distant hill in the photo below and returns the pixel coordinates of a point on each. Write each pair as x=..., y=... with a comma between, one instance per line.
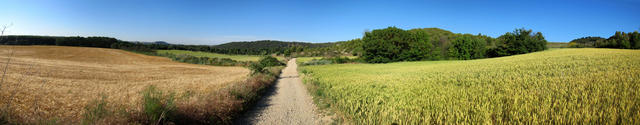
x=161, y=42
x=268, y=44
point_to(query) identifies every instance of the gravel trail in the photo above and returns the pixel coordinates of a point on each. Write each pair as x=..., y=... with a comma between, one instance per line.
x=286, y=103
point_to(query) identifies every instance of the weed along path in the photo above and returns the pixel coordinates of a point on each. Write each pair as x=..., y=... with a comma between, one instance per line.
x=287, y=102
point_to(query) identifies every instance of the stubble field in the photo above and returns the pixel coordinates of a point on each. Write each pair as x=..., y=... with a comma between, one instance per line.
x=56, y=83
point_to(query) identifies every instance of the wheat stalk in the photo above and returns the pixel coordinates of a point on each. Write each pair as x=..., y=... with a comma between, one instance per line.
x=35, y=103
x=6, y=66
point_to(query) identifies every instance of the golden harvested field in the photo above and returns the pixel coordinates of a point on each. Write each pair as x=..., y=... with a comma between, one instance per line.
x=560, y=86
x=54, y=82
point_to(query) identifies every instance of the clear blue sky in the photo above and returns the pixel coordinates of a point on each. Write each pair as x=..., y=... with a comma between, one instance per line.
x=215, y=22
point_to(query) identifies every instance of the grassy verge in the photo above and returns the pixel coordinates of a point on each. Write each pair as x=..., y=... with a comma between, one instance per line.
x=221, y=107
x=321, y=101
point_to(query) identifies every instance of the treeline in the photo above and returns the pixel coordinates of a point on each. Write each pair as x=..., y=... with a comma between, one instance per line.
x=335, y=49
x=235, y=48
x=203, y=60
x=393, y=44
x=619, y=40
x=263, y=47
x=102, y=42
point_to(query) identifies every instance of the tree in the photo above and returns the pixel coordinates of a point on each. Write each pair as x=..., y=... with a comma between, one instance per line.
x=467, y=47
x=420, y=47
x=384, y=45
x=586, y=42
x=635, y=40
x=520, y=41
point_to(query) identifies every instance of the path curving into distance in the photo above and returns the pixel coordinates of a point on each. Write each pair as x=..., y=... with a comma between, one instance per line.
x=286, y=103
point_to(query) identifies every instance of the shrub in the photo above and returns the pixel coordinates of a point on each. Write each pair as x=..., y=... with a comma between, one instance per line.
x=3, y=119
x=317, y=62
x=95, y=111
x=202, y=60
x=269, y=61
x=260, y=66
x=157, y=107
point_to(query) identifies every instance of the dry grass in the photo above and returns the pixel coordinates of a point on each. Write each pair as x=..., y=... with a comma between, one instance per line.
x=53, y=82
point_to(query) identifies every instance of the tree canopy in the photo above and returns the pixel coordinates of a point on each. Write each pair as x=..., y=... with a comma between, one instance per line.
x=393, y=44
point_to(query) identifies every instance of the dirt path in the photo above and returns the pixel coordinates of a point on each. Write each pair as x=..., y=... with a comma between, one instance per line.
x=286, y=103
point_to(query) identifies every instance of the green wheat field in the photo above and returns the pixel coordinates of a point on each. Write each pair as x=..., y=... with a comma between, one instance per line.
x=558, y=86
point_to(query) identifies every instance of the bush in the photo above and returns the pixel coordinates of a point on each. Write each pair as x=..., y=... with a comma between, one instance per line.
x=95, y=111
x=201, y=60
x=157, y=107
x=269, y=61
x=317, y=62
x=263, y=63
x=3, y=119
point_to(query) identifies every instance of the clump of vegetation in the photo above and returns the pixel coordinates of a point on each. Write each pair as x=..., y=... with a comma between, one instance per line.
x=220, y=107
x=95, y=110
x=262, y=64
x=563, y=86
x=393, y=45
x=186, y=58
x=330, y=60
x=3, y=119
x=317, y=62
x=212, y=55
x=157, y=107
x=621, y=40
x=586, y=42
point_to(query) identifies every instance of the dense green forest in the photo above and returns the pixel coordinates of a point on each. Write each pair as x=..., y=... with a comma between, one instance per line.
x=619, y=40
x=102, y=42
x=263, y=47
x=393, y=44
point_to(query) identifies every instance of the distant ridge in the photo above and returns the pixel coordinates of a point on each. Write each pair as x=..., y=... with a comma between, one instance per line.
x=266, y=44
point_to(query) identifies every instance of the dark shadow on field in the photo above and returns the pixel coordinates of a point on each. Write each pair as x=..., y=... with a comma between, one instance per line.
x=252, y=113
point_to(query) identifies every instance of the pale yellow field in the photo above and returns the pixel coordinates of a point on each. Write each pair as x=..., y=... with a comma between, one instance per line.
x=53, y=82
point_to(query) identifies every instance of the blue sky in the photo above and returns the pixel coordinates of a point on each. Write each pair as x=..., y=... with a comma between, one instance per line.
x=215, y=22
